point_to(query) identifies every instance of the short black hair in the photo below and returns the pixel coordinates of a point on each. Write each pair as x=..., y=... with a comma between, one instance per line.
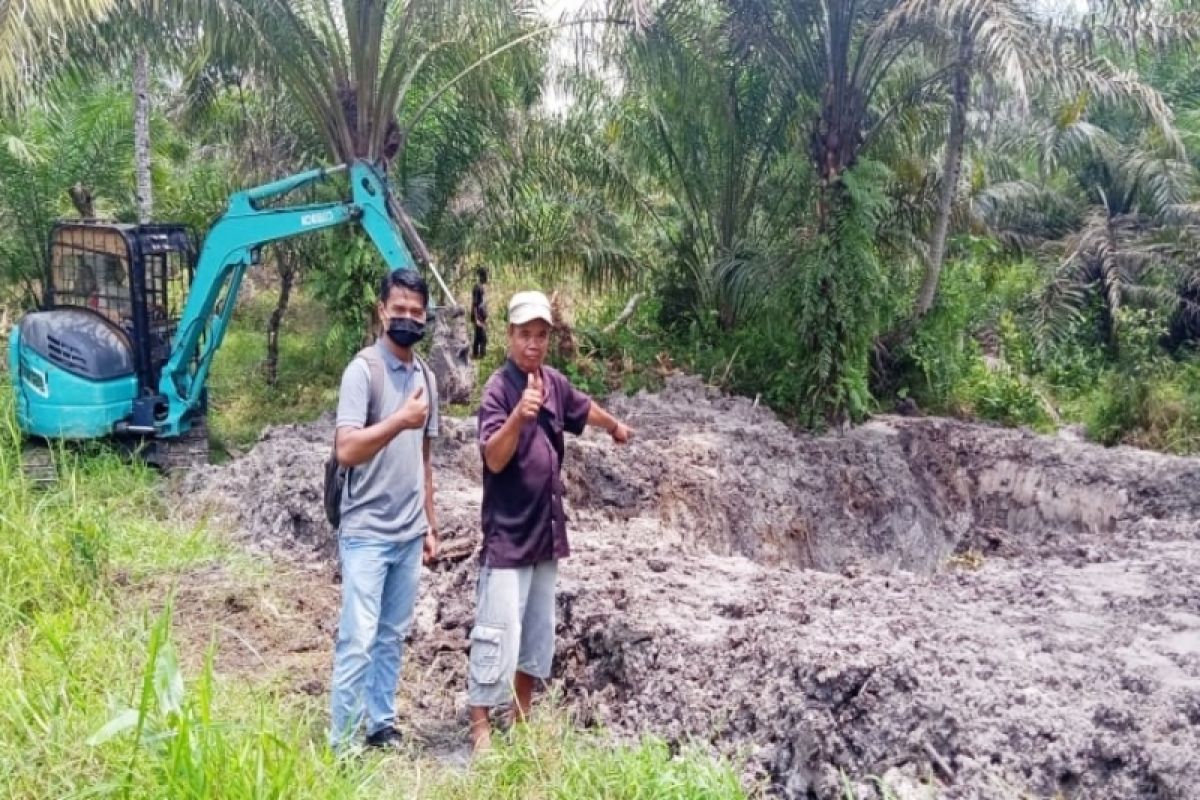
x=408, y=279
x=481, y=273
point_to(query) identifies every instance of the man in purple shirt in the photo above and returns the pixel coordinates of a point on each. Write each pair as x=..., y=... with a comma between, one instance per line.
x=525, y=409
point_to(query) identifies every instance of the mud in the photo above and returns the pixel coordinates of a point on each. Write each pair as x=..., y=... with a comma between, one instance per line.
x=967, y=612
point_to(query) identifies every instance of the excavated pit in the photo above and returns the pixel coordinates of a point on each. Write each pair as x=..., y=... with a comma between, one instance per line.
x=968, y=612
x=892, y=494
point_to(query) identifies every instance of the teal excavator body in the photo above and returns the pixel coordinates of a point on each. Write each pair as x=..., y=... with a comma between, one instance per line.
x=132, y=317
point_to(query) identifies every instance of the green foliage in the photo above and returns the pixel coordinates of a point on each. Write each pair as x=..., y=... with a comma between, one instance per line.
x=241, y=401
x=1000, y=394
x=196, y=190
x=347, y=284
x=943, y=350
x=80, y=136
x=555, y=204
x=1120, y=408
x=803, y=349
x=776, y=227
x=60, y=548
x=704, y=133
x=1146, y=398
x=836, y=316
x=1159, y=409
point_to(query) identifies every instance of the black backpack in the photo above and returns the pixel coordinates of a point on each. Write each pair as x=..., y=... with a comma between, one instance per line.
x=335, y=474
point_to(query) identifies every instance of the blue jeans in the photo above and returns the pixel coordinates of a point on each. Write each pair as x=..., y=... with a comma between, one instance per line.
x=379, y=592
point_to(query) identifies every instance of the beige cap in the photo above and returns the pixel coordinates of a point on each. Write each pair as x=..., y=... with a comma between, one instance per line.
x=527, y=306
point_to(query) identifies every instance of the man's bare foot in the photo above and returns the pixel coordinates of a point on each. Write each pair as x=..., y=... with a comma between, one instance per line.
x=481, y=743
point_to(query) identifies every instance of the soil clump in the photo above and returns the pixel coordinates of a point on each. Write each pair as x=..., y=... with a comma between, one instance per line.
x=959, y=609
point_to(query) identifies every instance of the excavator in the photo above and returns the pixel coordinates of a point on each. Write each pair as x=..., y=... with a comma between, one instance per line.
x=130, y=320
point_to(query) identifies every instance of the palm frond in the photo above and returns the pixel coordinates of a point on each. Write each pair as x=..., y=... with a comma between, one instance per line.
x=32, y=33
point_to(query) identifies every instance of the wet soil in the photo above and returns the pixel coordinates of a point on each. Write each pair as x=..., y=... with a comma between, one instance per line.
x=965, y=611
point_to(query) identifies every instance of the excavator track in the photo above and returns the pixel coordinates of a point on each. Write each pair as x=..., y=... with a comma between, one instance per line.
x=174, y=457
x=181, y=455
x=37, y=465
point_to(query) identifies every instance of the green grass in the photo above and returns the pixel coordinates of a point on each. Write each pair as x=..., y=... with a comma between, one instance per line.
x=241, y=402
x=94, y=702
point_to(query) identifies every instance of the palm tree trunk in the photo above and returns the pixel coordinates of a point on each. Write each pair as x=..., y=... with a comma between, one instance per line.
x=287, y=263
x=952, y=168
x=141, y=136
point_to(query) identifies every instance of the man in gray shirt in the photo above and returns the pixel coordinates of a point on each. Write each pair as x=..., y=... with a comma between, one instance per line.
x=388, y=526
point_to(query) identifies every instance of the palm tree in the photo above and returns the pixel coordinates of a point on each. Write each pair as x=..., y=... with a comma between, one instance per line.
x=367, y=72
x=30, y=33
x=1113, y=220
x=708, y=123
x=1064, y=63
x=841, y=56
x=79, y=141
x=141, y=136
x=556, y=194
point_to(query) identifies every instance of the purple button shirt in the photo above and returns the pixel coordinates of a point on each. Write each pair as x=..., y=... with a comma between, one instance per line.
x=523, y=519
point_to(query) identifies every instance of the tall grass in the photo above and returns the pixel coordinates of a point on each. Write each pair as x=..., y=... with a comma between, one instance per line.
x=94, y=703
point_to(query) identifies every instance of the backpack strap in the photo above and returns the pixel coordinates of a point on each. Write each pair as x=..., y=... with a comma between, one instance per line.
x=377, y=370
x=430, y=379
x=376, y=375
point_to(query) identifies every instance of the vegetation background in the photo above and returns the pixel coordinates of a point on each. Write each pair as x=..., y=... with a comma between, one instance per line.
x=982, y=208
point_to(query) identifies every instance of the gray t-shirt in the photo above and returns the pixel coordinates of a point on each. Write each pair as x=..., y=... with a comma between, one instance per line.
x=384, y=499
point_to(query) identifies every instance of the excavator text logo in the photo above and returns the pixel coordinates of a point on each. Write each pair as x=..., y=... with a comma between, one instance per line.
x=318, y=218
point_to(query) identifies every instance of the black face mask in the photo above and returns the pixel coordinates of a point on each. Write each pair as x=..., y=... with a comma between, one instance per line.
x=405, y=332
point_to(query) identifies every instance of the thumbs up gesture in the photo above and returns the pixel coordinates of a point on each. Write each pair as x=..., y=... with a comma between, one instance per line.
x=532, y=398
x=414, y=411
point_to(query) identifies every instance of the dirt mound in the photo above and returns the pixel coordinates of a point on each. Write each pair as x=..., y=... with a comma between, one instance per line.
x=984, y=610
x=896, y=493
x=272, y=496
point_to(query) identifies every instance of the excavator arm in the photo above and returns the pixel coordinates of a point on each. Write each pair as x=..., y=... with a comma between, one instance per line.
x=232, y=246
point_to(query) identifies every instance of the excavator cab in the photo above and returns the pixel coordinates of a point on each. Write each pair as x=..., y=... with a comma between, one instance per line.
x=133, y=315
x=87, y=364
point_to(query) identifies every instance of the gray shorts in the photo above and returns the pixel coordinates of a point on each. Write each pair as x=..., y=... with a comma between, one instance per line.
x=514, y=630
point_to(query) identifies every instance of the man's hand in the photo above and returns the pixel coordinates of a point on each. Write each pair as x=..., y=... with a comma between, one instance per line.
x=429, y=551
x=531, y=399
x=621, y=433
x=414, y=411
